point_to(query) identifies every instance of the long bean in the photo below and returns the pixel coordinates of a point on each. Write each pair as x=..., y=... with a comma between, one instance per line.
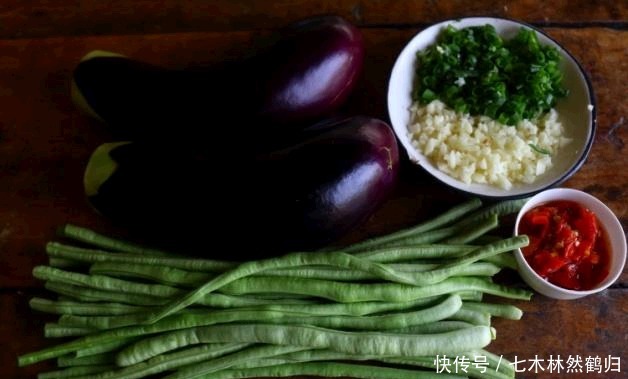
x=474, y=317
x=504, y=260
x=409, y=253
x=227, y=301
x=90, y=294
x=447, y=217
x=447, y=308
x=98, y=240
x=426, y=238
x=105, y=283
x=454, y=267
x=451, y=234
x=82, y=308
x=171, y=276
x=394, y=299
x=171, y=361
x=484, y=252
x=262, y=362
x=385, y=344
x=421, y=276
x=104, y=342
x=356, y=292
x=89, y=305
x=147, y=299
x=191, y=319
x=177, y=322
x=364, y=308
x=279, y=313
x=468, y=369
x=67, y=307
x=499, y=362
x=89, y=350
x=89, y=345
x=433, y=327
x=314, y=355
x=73, y=372
x=506, y=311
x=53, y=330
x=440, y=274
x=328, y=369
x=495, y=366
x=90, y=360
x=55, y=249
x=110, y=340
x=501, y=208
x=106, y=322
x=489, y=371
x=191, y=337
x=221, y=363
x=469, y=235
x=294, y=259
x=470, y=227
x=183, y=278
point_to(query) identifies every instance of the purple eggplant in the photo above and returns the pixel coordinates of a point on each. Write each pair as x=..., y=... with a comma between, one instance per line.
x=307, y=74
x=301, y=197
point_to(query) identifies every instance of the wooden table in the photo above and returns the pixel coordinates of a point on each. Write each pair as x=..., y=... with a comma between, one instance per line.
x=45, y=141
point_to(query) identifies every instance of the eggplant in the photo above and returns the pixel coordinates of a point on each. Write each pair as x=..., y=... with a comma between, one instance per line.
x=307, y=74
x=301, y=197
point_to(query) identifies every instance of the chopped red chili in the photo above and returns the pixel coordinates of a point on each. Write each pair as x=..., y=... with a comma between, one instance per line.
x=567, y=245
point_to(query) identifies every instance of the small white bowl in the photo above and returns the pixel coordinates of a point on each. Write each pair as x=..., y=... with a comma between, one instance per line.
x=577, y=110
x=609, y=222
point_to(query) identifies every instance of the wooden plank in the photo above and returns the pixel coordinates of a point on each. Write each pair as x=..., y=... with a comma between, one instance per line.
x=548, y=328
x=22, y=332
x=551, y=328
x=45, y=142
x=42, y=18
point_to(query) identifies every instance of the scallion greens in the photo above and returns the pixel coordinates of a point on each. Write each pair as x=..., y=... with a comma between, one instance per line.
x=473, y=70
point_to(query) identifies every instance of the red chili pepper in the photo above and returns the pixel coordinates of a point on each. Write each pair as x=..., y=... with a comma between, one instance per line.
x=546, y=263
x=567, y=246
x=567, y=277
x=588, y=231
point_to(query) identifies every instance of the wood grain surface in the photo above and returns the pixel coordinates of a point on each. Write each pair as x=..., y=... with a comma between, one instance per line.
x=45, y=141
x=43, y=18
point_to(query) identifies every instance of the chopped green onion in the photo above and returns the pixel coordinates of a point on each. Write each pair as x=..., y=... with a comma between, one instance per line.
x=539, y=150
x=508, y=80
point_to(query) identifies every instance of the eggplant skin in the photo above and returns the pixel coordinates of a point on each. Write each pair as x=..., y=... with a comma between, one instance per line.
x=299, y=198
x=311, y=71
x=306, y=75
x=326, y=186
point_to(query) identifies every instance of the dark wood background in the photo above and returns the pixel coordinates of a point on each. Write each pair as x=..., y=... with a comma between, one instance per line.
x=45, y=141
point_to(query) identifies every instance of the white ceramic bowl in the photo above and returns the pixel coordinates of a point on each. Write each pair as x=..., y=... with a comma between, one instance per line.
x=609, y=222
x=577, y=110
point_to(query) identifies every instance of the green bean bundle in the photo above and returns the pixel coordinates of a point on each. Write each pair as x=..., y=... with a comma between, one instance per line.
x=403, y=299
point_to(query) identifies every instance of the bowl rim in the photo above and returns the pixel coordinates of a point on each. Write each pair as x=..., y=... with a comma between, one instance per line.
x=583, y=156
x=614, y=221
